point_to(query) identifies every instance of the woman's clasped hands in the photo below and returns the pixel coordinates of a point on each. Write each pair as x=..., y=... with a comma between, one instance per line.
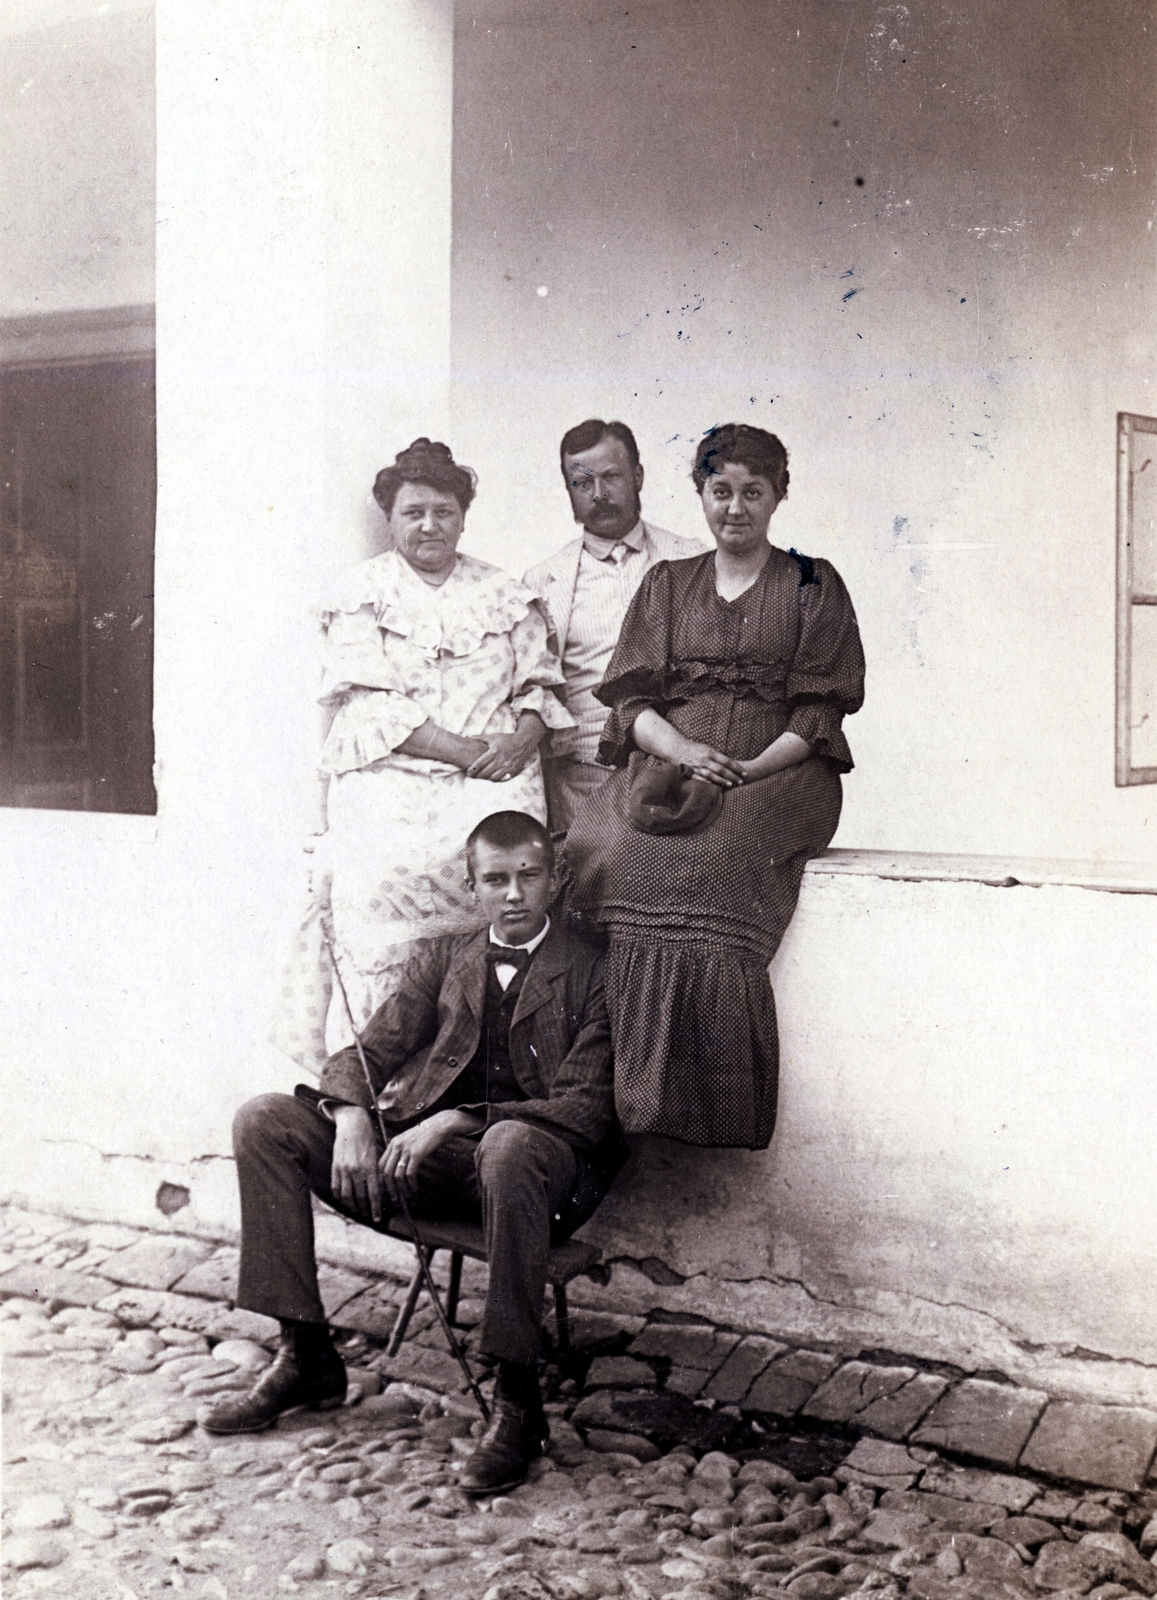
x=712, y=765
x=704, y=761
x=504, y=756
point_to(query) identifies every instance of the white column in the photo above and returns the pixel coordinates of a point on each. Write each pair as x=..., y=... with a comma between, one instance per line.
x=304, y=320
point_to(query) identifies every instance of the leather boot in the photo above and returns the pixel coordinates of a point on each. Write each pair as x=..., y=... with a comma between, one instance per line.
x=307, y=1371
x=514, y=1438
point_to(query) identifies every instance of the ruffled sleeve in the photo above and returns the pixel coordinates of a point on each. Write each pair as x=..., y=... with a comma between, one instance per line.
x=636, y=678
x=353, y=654
x=825, y=681
x=390, y=643
x=360, y=677
x=370, y=725
x=538, y=679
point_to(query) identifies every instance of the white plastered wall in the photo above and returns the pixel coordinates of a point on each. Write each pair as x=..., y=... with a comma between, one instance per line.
x=918, y=243
x=963, y=1166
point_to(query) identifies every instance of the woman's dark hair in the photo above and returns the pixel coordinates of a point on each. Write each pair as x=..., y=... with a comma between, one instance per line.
x=585, y=435
x=425, y=461
x=754, y=448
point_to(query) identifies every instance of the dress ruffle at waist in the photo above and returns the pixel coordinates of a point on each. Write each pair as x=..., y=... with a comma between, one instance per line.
x=686, y=679
x=814, y=717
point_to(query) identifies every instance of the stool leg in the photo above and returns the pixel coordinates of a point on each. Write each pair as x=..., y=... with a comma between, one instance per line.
x=454, y=1287
x=408, y=1305
x=562, y=1318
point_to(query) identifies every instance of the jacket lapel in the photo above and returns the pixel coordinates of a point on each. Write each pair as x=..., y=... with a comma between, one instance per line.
x=469, y=971
x=538, y=987
x=658, y=545
x=563, y=578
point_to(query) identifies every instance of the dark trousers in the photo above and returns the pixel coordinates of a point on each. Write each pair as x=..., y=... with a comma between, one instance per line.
x=514, y=1179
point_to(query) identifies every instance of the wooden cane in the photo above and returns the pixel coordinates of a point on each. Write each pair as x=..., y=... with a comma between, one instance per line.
x=455, y=1348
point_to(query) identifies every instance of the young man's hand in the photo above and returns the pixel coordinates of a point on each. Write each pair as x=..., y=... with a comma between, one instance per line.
x=406, y=1151
x=354, y=1176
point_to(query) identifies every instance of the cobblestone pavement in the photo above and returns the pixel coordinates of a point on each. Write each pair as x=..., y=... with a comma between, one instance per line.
x=686, y=1461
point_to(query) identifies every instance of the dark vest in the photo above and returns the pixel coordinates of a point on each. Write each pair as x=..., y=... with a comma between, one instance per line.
x=488, y=1079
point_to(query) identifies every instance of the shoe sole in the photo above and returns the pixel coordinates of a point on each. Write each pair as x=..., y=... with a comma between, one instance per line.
x=495, y=1488
x=260, y=1427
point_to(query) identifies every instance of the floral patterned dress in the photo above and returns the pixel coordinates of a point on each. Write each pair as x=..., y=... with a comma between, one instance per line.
x=470, y=655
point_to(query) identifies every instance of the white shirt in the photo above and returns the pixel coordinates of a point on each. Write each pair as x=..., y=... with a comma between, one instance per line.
x=501, y=971
x=609, y=573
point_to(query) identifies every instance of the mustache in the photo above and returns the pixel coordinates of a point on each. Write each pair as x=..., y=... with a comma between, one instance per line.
x=615, y=505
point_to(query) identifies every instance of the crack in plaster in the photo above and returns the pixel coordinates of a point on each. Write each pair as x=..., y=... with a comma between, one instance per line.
x=982, y=880
x=1065, y=1352
x=134, y=1155
x=1008, y=882
x=1077, y=1352
x=1061, y=1352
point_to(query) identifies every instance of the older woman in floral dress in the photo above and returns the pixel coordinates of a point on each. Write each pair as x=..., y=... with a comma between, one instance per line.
x=440, y=678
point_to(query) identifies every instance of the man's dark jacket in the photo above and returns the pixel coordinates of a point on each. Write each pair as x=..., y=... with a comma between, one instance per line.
x=427, y=1032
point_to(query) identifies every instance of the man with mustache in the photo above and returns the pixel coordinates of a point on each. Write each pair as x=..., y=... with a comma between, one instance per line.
x=586, y=588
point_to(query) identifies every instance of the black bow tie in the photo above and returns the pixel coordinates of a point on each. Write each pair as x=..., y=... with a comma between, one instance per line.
x=508, y=955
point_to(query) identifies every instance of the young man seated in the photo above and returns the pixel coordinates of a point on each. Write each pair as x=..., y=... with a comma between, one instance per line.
x=492, y=1059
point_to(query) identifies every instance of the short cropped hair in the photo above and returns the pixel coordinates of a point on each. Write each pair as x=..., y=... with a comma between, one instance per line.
x=585, y=435
x=506, y=830
x=425, y=461
x=760, y=452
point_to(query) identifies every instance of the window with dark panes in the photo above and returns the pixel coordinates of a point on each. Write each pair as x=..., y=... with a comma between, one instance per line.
x=77, y=404
x=76, y=601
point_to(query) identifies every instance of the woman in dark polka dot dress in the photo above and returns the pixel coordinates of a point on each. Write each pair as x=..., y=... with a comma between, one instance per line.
x=732, y=676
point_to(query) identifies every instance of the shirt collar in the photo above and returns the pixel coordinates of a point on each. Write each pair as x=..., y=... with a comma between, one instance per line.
x=601, y=548
x=531, y=944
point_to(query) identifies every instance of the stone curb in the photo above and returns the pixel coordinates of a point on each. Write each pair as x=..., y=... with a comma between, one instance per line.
x=180, y=1281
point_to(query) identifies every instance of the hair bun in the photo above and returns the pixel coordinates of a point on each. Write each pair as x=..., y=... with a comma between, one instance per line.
x=430, y=449
x=426, y=461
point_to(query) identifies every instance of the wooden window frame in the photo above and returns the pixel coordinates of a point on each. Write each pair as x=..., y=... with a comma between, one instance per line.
x=1129, y=424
